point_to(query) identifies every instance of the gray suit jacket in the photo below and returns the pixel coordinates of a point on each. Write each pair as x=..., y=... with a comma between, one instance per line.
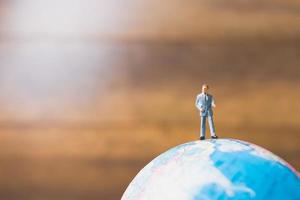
x=205, y=102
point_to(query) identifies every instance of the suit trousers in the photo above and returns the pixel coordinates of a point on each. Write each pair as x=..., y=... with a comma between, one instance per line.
x=211, y=125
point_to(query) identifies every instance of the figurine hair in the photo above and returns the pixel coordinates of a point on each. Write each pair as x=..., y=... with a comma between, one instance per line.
x=205, y=85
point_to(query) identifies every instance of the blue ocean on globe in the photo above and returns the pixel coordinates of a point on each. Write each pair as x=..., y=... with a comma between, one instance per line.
x=215, y=169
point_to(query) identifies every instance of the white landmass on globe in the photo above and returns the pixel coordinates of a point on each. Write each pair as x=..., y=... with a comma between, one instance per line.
x=231, y=146
x=195, y=172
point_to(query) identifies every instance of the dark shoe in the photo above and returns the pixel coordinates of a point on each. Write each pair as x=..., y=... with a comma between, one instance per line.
x=214, y=137
x=202, y=138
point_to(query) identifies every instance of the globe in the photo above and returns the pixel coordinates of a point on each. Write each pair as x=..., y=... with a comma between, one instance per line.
x=215, y=169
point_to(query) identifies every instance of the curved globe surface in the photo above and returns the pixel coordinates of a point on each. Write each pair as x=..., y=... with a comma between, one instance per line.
x=215, y=169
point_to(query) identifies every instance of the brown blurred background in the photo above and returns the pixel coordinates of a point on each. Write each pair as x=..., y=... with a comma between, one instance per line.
x=91, y=91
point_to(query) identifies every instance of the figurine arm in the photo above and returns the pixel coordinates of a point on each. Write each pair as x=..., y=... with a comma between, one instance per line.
x=213, y=103
x=197, y=103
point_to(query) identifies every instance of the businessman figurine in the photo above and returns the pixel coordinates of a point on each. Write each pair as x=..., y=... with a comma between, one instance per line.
x=204, y=103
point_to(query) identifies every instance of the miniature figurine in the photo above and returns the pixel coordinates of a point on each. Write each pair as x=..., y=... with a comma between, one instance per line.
x=204, y=103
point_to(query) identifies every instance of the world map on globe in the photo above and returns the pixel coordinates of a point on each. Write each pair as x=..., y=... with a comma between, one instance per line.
x=215, y=169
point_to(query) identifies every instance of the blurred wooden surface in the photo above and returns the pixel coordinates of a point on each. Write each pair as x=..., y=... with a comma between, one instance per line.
x=91, y=92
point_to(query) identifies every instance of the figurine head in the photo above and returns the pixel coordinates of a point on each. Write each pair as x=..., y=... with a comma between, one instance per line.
x=205, y=88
